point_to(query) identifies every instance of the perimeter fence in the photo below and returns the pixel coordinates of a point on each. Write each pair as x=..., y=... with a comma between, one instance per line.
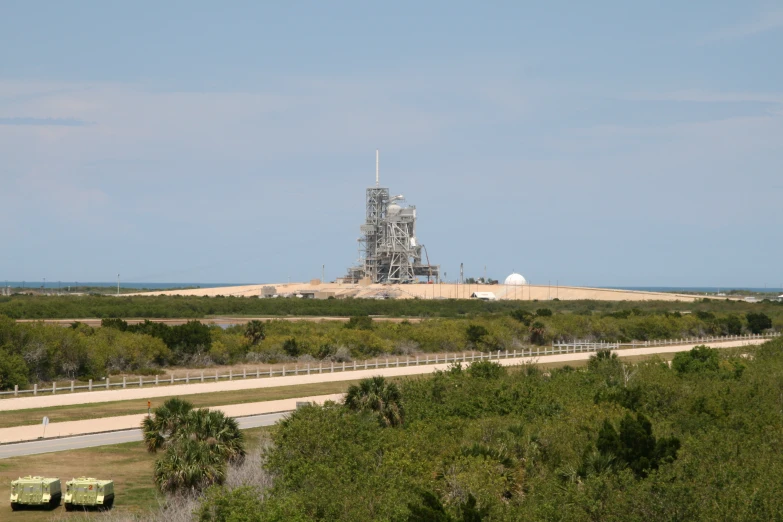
x=322, y=367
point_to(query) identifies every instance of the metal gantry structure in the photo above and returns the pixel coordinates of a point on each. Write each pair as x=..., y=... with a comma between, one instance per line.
x=390, y=252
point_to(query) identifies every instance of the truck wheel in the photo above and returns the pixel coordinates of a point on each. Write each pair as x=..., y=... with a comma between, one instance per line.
x=68, y=506
x=14, y=506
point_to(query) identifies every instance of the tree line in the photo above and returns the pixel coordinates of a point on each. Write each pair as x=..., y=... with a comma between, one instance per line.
x=152, y=307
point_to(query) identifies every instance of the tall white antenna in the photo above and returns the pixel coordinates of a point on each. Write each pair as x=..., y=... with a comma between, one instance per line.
x=377, y=158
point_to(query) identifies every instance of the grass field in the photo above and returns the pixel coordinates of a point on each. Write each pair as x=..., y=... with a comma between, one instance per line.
x=129, y=465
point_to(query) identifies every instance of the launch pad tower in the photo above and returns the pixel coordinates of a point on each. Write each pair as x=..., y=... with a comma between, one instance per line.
x=390, y=252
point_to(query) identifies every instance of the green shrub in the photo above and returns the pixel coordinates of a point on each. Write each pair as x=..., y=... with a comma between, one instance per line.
x=635, y=445
x=758, y=322
x=699, y=359
x=475, y=334
x=486, y=370
x=13, y=371
x=359, y=322
x=291, y=347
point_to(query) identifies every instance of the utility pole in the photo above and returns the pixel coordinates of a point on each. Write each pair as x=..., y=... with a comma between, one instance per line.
x=118, y=284
x=323, y=269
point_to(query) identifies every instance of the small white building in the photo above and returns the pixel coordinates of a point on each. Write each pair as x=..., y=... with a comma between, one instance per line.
x=484, y=296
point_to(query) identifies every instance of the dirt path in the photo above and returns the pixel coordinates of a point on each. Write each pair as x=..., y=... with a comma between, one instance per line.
x=127, y=422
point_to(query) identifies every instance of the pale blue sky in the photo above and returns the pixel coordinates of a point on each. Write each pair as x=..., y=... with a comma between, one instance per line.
x=592, y=143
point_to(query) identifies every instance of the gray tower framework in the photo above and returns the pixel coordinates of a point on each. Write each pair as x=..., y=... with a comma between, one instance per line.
x=390, y=252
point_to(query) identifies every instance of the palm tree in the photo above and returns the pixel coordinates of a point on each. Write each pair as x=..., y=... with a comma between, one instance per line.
x=255, y=331
x=198, y=444
x=377, y=395
x=217, y=430
x=189, y=464
x=164, y=422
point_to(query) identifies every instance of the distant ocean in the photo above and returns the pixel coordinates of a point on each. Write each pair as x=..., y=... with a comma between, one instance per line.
x=699, y=289
x=123, y=284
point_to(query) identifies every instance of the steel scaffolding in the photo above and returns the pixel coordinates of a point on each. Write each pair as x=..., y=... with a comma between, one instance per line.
x=389, y=250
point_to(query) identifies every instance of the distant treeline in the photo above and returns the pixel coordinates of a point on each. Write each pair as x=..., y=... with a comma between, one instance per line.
x=97, y=306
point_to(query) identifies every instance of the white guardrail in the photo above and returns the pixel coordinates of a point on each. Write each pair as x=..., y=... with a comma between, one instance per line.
x=425, y=359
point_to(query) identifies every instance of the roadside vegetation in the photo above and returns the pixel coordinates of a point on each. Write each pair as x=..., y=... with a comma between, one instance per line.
x=611, y=442
x=41, y=353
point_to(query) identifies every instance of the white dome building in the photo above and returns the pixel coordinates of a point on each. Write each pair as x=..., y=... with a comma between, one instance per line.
x=515, y=279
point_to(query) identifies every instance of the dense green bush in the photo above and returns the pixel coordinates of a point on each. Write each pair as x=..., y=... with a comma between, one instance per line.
x=758, y=322
x=13, y=371
x=530, y=445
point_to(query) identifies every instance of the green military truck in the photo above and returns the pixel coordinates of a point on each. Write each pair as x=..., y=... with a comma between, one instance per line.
x=87, y=492
x=35, y=491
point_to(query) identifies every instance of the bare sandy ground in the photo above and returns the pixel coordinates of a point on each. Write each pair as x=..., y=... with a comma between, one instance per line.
x=127, y=422
x=144, y=394
x=441, y=291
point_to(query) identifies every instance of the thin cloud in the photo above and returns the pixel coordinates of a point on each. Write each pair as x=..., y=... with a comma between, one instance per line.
x=699, y=96
x=769, y=21
x=58, y=122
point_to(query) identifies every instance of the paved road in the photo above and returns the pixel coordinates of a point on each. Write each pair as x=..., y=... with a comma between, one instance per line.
x=115, y=437
x=55, y=429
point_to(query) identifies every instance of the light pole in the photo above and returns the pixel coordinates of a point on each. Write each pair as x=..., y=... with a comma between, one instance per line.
x=118, y=284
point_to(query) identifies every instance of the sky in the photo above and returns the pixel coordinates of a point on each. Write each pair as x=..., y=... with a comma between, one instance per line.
x=606, y=143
